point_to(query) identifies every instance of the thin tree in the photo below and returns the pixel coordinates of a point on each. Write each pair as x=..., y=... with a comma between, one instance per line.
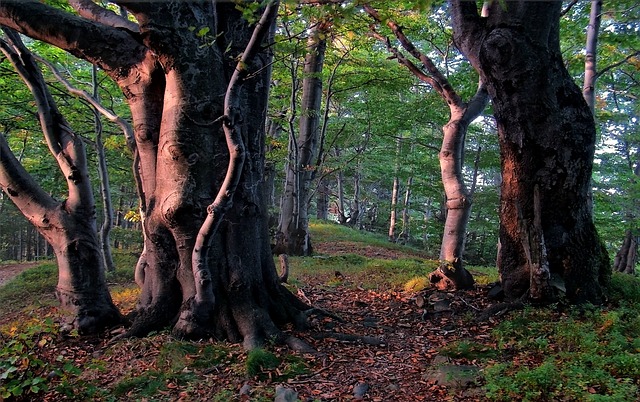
x=293, y=227
x=451, y=272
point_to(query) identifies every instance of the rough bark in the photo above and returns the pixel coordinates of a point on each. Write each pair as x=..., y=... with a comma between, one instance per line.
x=293, y=227
x=194, y=120
x=68, y=225
x=547, y=141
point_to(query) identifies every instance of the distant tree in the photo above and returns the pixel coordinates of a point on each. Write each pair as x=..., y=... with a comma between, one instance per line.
x=548, y=242
x=293, y=227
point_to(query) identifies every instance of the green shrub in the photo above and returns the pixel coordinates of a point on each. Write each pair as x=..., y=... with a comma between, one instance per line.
x=24, y=373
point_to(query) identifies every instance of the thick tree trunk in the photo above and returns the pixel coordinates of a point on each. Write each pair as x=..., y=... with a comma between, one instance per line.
x=293, y=229
x=547, y=141
x=198, y=99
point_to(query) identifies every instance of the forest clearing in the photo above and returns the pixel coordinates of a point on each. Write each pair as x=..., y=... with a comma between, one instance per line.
x=380, y=346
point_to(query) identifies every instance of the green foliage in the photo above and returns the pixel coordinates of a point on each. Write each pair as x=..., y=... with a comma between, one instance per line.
x=624, y=289
x=28, y=287
x=587, y=354
x=416, y=284
x=24, y=372
x=260, y=360
x=464, y=349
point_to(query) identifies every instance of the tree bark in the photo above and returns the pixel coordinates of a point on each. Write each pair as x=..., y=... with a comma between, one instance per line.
x=451, y=273
x=547, y=141
x=627, y=257
x=68, y=225
x=591, y=48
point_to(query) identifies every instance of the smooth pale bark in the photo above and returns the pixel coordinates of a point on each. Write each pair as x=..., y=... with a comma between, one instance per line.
x=393, y=216
x=293, y=228
x=105, y=189
x=68, y=225
x=451, y=273
x=395, y=189
x=591, y=48
x=547, y=142
x=404, y=233
x=199, y=129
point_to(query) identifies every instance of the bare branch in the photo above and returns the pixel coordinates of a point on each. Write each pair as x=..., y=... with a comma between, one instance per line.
x=110, y=115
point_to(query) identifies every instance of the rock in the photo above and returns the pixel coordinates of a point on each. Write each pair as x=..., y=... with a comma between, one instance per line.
x=496, y=292
x=453, y=376
x=360, y=389
x=284, y=394
x=245, y=390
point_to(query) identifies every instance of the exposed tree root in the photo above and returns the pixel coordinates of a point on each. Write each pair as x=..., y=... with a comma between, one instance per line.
x=367, y=340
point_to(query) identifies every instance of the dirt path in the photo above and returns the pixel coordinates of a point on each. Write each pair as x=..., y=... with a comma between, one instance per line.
x=10, y=271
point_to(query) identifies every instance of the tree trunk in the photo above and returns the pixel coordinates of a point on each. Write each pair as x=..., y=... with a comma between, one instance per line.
x=591, y=48
x=404, y=233
x=198, y=100
x=322, y=200
x=293, y=229
x=105, y=189
x=451, y=273
x=627, y=257
x=547, y=142
x=70, y=225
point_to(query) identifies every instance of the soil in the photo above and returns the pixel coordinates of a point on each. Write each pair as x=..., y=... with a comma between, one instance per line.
x=10, y=271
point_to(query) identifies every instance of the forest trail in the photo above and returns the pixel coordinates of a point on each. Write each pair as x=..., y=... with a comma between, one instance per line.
x=10, y=271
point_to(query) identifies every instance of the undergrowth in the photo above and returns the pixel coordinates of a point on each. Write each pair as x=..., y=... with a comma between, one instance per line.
x=585, y=354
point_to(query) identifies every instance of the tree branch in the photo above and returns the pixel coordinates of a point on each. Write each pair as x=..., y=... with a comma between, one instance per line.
x=90, y=10
x=436, y=79
x=110, y=115
x=113, y=50
x=617, y=64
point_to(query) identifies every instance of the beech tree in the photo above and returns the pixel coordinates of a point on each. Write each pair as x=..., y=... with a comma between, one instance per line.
x=451, y=272
x=293, y=227
x=68, y=225
x=548, y=242
x=196, y=77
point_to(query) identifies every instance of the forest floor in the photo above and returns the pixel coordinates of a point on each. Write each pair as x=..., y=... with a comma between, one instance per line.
x=10, y=271
x=383, y=347
x=383, y=341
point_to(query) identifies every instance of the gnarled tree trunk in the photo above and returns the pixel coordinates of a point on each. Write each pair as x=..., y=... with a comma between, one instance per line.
x=547, y=142
x=196, y=78
x=68, y=225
